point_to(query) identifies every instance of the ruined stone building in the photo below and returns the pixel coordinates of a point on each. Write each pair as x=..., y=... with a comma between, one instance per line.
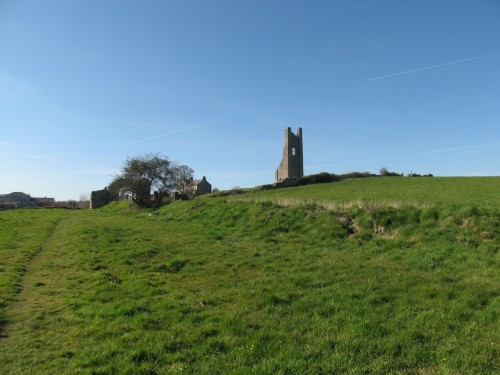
x=292, y=163
x=102, y=197
x=199, y=187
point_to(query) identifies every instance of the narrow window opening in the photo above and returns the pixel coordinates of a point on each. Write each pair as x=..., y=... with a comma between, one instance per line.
x=293, y=151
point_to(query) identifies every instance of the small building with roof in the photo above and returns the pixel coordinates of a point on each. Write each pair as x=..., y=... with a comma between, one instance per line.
x=200, y=187
x=18, y=199
x=45, y=202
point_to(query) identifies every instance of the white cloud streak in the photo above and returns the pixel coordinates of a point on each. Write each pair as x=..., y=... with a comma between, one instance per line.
x=41, y=157
x=13, y=88
x=160, y=136
x=232, y=175
x=463, y=148
x=10, y=144
x=435, y=66
x=97, y=171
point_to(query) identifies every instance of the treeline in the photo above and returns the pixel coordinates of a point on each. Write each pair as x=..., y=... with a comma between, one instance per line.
x=324, y=177
x=319, y=178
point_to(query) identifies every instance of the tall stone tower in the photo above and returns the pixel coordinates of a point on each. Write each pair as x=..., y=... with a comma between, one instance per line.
x=292, y=163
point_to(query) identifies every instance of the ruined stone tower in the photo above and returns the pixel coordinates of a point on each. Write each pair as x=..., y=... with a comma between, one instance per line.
x=292, y=163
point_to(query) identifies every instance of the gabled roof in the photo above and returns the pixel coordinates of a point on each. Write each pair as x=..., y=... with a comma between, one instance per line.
x=194, y=182
x=197, y=182
x=17, y=193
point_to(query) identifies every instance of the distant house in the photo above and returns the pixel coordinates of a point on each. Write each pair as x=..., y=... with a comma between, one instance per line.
x=18, y=200
x=6, y=204
x=7, y=201
x=200, y=187
x=45, y=202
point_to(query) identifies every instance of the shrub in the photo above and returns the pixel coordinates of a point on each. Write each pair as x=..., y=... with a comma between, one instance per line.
x=356, y=175
x=325, y=177
x=319, y=178
x=429, y=214
x=385, y=173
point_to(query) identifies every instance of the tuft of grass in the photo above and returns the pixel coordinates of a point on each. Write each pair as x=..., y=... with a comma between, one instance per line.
x=173, y=266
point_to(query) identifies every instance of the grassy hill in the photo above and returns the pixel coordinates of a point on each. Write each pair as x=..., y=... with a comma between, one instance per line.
x=362, y=276
x=444, y=192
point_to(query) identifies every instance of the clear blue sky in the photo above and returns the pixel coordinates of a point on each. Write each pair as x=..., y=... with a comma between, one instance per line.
x=407, y=85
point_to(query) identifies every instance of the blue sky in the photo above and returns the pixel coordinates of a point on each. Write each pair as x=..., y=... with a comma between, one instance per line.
x=407, y=85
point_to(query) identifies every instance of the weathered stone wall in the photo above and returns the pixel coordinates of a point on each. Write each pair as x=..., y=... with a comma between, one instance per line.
x=101, y=198
x=176, y=196
x=292, y=162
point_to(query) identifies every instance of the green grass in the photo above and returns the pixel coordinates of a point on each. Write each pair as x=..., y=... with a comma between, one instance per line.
x=250, y=286
x=22, y=236
x=446, y=192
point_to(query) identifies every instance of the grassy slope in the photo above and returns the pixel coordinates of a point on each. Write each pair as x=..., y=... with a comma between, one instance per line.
x=218, y=286
x=436, y=191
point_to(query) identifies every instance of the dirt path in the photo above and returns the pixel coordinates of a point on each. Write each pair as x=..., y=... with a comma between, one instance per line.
x=38, y=297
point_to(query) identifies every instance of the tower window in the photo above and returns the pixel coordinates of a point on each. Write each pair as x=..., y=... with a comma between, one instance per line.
x=293, y=151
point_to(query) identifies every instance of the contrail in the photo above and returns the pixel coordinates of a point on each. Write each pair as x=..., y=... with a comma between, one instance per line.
x=436, y=66
x=463, y=148
x=161, y=135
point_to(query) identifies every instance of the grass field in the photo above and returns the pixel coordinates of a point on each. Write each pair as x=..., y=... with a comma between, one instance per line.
x=445, y=192
x=383, y=275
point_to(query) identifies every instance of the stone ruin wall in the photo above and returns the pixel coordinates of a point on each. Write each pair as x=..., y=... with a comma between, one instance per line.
x=100, y=198
x=292, y=162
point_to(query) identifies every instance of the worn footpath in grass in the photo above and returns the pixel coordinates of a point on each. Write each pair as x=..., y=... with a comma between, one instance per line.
x=22, y=235
x=223, y=286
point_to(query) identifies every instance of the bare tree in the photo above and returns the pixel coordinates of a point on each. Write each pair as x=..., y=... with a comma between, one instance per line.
x=183, y=176
x=142, y=174
x=84, y=200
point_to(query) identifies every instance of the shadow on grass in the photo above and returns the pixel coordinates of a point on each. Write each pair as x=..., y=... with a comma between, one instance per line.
x=3, y=324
